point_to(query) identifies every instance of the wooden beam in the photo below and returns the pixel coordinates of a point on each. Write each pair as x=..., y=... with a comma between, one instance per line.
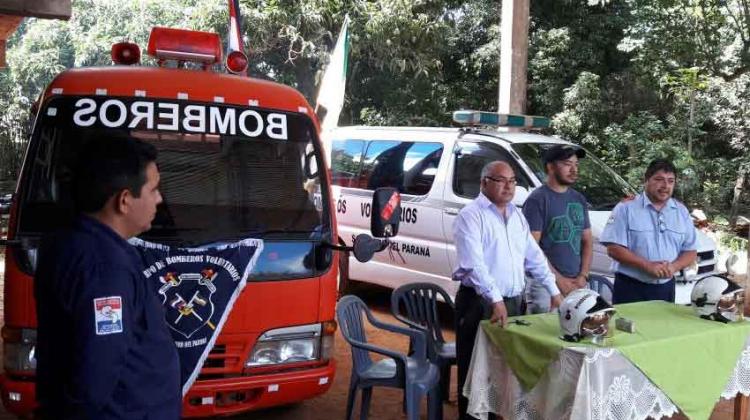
x=8, y=25
x=514, y=42
x=48, y=9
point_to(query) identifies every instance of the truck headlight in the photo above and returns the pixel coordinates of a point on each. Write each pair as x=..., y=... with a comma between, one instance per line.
x=284, y=351
x=303, y=343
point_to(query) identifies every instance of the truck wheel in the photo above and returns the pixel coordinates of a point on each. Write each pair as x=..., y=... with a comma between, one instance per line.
x=344, y=282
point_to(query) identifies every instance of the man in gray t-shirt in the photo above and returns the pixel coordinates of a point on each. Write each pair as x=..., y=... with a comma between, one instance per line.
x=558, y=218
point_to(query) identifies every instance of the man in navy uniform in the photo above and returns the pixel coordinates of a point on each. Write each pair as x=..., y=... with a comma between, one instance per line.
x=104, y=350
x=651, y=238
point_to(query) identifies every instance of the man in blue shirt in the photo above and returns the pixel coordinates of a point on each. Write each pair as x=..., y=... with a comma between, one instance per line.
x=494, y=248
x=650, y=238
x=104, y=350
x=559, y=219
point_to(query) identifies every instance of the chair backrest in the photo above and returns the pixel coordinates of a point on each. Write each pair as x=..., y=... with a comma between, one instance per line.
x=349, y=313
x=601, y=285
x=418, y=303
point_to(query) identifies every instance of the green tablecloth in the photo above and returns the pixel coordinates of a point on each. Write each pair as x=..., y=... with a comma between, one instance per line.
x=690, y=359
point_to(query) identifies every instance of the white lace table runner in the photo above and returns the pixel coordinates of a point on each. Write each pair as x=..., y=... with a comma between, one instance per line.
x=585, y=383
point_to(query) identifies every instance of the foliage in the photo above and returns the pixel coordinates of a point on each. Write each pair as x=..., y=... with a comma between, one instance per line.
x=632, y=80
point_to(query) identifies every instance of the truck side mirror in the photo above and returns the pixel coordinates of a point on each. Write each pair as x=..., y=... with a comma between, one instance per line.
x=386, y=212
x=365, y=247
x=386, y=215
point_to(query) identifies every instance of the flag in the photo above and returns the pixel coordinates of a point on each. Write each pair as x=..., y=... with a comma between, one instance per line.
x=235, y=25
x=197, y=288
x=331, y=92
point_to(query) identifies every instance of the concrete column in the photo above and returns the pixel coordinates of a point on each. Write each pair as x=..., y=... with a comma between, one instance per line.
x=514, y=43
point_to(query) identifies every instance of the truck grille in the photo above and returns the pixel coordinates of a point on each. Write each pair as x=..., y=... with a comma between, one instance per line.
x=224, y=360
x=216, y=357
x=706, y=262
x=705, y=256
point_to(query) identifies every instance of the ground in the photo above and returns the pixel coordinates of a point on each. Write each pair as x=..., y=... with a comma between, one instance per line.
x=386, y=403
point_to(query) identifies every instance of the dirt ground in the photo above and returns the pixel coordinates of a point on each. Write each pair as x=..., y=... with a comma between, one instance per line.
x=386, y=403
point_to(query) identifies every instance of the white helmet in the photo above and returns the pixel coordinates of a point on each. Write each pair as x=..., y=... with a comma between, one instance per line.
x=584, y=313
x=717, y=298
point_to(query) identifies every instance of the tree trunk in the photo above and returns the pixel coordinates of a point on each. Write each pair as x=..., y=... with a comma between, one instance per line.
x=305, y=79
x=736, y=199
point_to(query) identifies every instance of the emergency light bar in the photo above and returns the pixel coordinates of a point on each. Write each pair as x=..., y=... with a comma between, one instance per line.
x=184, y=45
x=474, y=118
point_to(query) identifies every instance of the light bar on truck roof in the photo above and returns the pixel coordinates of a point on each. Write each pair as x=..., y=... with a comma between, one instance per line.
x=184, y=45
x=493, y=119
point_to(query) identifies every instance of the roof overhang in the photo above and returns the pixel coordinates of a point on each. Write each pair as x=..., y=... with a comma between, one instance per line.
x=12, y=13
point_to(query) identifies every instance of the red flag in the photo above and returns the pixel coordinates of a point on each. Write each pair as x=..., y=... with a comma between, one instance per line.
x=235, y=25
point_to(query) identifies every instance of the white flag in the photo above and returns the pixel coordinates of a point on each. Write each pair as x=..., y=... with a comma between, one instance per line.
x=331, y=92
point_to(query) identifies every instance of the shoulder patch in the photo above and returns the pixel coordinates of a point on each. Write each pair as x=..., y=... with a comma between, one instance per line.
x=108, y=315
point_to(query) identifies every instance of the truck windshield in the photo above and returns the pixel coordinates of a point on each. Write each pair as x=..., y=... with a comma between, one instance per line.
x=226, y=172
x=601, y=186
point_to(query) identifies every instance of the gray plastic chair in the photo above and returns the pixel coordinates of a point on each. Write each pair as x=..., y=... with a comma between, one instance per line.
x=416, y=305
x=414, y=374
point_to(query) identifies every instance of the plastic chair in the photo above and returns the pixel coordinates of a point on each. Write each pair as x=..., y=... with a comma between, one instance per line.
x=419, y=302
x=414, y=374
x=602, y=285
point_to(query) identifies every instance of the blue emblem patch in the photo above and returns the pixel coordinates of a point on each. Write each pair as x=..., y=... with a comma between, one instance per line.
x=187, y=298
x=108, y=315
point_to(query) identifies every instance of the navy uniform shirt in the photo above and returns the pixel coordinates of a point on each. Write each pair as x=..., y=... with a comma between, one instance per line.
x=104, y=350
x=656, y=235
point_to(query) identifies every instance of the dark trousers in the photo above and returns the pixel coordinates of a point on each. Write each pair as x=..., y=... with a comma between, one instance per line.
x=628, y=289
x=470, y=310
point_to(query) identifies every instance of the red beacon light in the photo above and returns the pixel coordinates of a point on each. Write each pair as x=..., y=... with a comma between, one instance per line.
x=236, y=62
x=126, y=53
x=183, y=45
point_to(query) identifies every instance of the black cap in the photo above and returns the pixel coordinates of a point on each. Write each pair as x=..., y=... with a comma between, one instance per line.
x=562, y=152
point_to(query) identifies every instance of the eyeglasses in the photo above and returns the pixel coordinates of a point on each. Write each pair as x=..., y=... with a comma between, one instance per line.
x=502, y=181
x=662, y=224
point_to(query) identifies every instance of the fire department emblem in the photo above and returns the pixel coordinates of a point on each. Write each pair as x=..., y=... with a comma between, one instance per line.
x=187, y=299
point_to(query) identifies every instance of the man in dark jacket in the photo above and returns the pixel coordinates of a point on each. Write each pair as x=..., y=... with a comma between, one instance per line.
x=104, y=350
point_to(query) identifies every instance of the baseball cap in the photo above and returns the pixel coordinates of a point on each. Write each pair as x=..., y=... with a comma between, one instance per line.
x=562, y=152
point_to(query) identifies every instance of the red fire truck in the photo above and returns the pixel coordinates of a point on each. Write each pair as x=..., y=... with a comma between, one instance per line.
x=239, y=157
